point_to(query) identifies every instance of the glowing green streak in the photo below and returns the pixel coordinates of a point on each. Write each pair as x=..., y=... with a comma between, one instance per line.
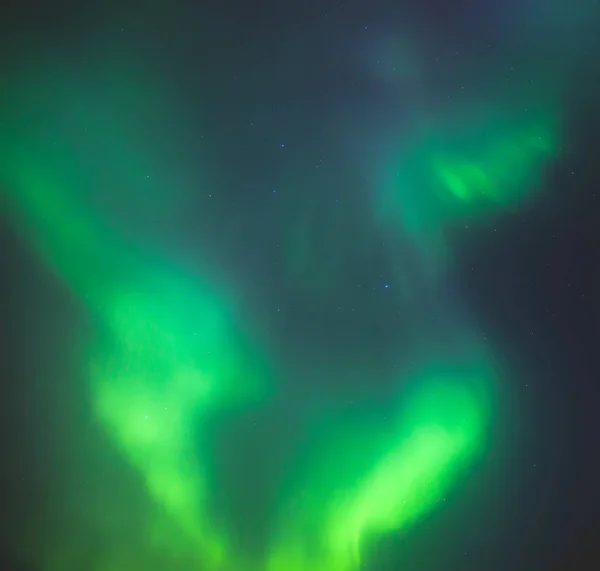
x=154, y=391
x=471, y=164
x=340, y=509
x=504, y=168
x=176, y=354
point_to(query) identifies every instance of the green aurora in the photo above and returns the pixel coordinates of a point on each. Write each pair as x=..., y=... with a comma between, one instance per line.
x=180, y=346
x=478, y=162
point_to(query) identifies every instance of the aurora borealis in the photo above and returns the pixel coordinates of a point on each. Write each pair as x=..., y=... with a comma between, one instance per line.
x=178, y=354
x=267, y=359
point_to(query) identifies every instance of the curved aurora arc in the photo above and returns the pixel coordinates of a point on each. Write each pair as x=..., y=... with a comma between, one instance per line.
x=178, y=353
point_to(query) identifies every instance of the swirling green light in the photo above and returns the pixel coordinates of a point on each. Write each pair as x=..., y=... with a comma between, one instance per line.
x=177, y=352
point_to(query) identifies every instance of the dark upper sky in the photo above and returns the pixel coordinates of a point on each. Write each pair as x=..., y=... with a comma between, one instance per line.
x=341, y=197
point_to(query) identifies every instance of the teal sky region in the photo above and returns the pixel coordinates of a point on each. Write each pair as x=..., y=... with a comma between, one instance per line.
x=271, y=373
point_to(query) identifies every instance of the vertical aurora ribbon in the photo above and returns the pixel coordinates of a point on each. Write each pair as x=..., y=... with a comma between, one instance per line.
x=176, y=352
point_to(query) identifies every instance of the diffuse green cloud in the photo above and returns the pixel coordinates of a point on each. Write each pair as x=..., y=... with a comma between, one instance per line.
x=178, y=352
x=469, y=165
x=367, y=483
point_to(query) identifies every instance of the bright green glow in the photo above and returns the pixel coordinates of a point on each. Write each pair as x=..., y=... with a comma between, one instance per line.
x=461, y=168
x=374, y=481
x=154, y=390
x=503, y=167
x=176, y=353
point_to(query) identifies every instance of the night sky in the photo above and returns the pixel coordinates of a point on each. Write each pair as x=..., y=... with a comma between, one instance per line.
x=300, y=286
